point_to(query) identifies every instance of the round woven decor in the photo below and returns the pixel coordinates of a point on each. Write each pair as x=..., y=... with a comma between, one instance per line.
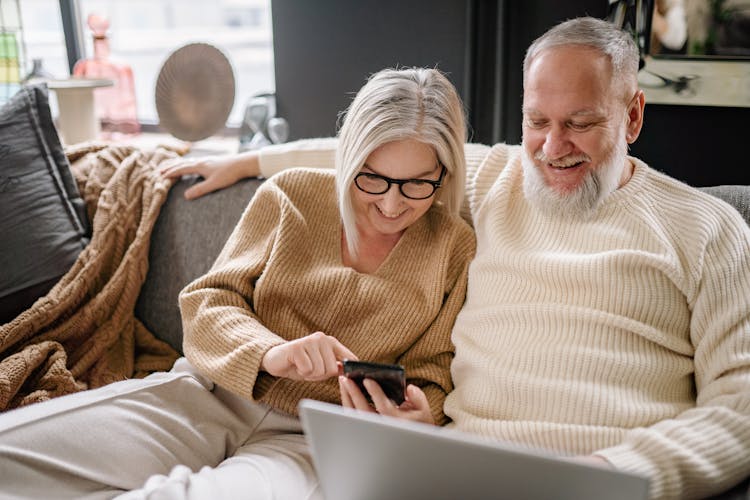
x=195, y=92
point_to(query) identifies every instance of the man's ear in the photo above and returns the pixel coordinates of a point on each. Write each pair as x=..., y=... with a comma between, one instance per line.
x=635, y=116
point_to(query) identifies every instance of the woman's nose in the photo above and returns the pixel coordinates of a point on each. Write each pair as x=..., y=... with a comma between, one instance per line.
x=392, y=198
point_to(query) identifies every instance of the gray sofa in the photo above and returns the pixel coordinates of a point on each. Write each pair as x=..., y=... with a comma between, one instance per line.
x=188, y=236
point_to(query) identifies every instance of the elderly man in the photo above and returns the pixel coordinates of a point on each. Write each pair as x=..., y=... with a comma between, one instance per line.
x=608, y=308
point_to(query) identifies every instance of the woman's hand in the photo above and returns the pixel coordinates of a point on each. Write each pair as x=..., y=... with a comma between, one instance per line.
x=415, y=408
x=218, y=172
x=312, y=358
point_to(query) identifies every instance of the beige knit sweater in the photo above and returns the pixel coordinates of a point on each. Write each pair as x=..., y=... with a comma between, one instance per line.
x=280, y=277
x=627, y=335
x=83, y=334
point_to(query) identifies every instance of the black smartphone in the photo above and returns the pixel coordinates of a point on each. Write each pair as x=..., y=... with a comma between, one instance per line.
x=391, y=378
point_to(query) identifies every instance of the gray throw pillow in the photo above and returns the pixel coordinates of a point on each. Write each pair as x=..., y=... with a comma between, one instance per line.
x=43, y=222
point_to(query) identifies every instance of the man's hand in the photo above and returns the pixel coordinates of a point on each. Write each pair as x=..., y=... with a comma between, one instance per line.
x=415, y=408
x=218, y=172
x=312, y=358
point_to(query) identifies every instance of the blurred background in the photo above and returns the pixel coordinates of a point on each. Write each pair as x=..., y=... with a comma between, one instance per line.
x=144, y=32
x=313, y=55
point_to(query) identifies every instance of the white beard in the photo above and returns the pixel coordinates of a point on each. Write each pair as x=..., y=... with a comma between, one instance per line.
x=582, y=202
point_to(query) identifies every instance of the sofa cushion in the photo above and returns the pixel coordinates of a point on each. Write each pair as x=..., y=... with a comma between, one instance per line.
x=43, y=219
x=737, y=196
x=186, y=240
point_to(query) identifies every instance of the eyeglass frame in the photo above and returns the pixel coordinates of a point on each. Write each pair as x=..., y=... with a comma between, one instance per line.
x=400, y=182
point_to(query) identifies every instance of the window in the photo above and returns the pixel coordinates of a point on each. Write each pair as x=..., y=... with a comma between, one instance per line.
x=43, y=36
x=143, y=33
x=31, y=29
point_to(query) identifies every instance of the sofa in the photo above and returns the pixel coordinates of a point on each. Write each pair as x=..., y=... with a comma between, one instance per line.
x=187, y=235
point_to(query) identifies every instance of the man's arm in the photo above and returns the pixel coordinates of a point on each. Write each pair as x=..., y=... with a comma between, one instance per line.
x=223, y=171
x=316, y=153
x=706, y=448
x=219, y=172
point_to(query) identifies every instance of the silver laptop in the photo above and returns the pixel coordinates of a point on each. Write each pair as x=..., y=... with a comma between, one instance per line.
x=361, y=456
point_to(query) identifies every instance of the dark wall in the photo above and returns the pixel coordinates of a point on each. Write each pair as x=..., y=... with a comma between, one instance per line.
x=700, y=145
x=324, y=50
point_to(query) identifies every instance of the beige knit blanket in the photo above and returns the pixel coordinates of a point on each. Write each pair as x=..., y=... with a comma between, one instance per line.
x=83, y=333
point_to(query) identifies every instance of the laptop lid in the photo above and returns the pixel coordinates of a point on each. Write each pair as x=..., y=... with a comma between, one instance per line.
x=362, y=456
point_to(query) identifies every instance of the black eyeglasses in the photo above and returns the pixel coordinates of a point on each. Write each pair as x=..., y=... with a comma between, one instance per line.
x=414, y=189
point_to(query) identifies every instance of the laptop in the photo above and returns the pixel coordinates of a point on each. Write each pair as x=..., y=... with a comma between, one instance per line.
x=363, y=456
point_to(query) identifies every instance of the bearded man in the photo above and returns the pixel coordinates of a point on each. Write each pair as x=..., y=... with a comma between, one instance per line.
x=608, y=306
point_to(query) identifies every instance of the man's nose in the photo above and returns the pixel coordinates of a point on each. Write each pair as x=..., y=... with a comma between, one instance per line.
x=556, y=143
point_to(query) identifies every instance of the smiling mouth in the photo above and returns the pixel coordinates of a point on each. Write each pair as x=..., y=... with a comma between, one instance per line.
x=389, y=216
x=565, y=167
x=563, y=163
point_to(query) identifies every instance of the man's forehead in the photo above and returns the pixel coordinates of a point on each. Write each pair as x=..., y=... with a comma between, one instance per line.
x=576, y=103
x=564, y=69
x=562, y=82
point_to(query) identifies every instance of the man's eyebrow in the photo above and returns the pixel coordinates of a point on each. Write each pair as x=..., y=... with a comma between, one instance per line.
x=586, y=112
x=579, y=112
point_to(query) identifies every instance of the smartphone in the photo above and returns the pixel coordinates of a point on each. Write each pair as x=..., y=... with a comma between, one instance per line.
x=391, y=378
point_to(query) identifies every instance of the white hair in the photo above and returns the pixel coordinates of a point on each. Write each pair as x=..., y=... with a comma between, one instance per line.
x=395, y=105
x=615, y=43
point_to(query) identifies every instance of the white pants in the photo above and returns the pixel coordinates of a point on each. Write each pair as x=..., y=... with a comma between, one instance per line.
x=170, y=435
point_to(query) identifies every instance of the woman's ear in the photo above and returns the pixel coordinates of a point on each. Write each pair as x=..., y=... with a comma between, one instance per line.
x=635, y=116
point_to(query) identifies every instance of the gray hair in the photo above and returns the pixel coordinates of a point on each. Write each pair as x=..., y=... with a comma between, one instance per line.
x=617, y=44
x=394, y=105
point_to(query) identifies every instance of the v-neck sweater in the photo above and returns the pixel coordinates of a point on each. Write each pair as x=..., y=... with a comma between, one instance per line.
x=281, y=277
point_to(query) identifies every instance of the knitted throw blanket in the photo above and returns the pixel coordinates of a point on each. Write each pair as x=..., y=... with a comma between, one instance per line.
x=83, y=333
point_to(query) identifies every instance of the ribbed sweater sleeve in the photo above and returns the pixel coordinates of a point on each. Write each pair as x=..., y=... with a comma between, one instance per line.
x=223, y=335
x=314, y=153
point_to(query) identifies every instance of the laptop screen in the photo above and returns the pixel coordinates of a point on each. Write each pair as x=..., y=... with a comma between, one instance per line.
x=365, y=456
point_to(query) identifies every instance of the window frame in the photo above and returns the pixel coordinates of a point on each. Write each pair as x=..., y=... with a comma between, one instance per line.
x=73, y=35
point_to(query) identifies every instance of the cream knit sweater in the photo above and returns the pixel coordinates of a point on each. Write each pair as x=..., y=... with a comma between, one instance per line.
x=627, y=336
x=280, y=277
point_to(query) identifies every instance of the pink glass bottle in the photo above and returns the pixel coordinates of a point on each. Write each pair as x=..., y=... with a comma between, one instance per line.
x=115, y=105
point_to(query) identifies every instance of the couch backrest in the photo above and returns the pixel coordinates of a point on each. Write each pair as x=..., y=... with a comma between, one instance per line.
x=737, y=196
x=187, y=238
x=190, y=234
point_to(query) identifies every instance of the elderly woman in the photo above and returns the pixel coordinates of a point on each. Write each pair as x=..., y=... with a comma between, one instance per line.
x=367, y=263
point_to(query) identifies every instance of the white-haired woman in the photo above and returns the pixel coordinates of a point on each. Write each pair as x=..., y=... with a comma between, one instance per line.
x=369, y=262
